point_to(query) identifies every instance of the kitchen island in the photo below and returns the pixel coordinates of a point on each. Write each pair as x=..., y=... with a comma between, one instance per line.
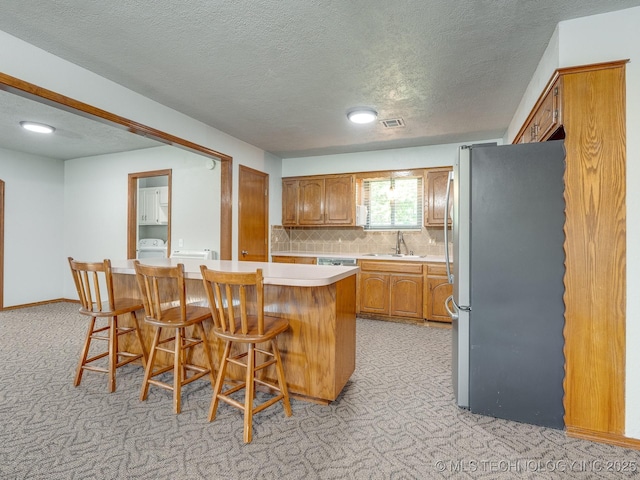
x=318, y=349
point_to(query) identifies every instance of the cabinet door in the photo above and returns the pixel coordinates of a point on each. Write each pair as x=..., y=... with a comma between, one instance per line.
x=147, y=206
x=438, y=289
x=374, y=293
x=311, y=198
x=289, y=202
x=548, y=118
x=142, y=218
x=406, y=296
x=163, y=193
x=339, y=200
x=528, y=134
x=437, y=181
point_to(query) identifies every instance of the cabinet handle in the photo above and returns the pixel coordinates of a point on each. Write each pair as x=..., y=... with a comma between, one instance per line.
x=244, y=253
x=452, y=314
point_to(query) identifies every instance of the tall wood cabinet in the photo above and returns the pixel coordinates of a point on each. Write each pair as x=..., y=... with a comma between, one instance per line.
x=591, y=116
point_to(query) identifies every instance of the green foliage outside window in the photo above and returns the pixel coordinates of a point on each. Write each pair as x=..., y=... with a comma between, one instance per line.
x=394, y=203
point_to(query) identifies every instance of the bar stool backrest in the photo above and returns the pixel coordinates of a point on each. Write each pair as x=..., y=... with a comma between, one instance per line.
x=94, y=283
x=234, y=298
x=161, y=287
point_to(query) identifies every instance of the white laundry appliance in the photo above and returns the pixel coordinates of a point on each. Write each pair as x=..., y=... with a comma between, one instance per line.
x=152, y=248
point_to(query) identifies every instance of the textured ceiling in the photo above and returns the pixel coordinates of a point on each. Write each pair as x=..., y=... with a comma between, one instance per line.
x=281, y=74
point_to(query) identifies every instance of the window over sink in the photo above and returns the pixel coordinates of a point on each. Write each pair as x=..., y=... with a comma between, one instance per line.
x=393, y=203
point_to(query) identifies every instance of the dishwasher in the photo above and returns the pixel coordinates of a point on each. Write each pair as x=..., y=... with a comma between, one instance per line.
x=345, y=262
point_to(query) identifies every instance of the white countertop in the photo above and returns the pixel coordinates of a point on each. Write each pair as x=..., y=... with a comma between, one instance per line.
x=295, y=275
x=364, y=256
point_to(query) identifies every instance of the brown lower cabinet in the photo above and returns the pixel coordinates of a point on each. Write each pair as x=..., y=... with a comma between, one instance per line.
x=292, y=259
x=391, y=289
x=397, y=289
x=403, y=289
x=437, y=290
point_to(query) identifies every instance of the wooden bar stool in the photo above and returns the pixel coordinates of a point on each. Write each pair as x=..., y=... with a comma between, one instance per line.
x=237, y=307
x=163, y=292
x=92, y=280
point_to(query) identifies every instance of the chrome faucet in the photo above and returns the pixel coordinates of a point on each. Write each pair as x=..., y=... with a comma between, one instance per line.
x=399, y=242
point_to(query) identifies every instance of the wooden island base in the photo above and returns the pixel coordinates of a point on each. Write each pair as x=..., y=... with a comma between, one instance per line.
x=318, y=349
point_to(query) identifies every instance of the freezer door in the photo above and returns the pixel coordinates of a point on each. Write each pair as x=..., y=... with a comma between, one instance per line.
x=517, y=268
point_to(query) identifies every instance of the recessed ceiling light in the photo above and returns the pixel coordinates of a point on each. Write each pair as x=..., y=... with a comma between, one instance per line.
x=37, y=127
x=362, y=115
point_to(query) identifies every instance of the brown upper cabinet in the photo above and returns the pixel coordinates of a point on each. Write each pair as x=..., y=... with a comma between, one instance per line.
x=289, y=202
x=545, y=120
x=436, y=197
x=326, y=200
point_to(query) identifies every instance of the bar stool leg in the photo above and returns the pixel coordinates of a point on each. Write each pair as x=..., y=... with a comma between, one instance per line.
x=85, y=352
x=207, y=353
x=219, y=381
x=139, y=337
x=281, y=381
x=248, y=399
x=113, y=352
x=147, y=371
x=177, y=369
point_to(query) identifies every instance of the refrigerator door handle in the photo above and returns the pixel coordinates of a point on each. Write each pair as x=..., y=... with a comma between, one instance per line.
x=447, y=261
x=452, y=314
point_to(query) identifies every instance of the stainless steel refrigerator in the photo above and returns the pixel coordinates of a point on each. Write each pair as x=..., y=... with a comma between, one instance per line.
x=507, y=273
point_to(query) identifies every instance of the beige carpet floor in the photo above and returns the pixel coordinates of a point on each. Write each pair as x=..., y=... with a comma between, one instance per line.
x=396, y=419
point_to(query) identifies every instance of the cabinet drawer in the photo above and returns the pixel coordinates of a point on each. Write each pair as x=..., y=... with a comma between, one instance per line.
x=391, y=267
x=437, y=269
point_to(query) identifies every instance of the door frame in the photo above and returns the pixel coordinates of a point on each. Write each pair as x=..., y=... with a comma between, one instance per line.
x=1, y=244
x=132, y=209
x=29, y=90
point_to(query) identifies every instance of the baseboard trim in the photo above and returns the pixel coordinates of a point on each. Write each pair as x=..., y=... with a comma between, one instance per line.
x=603, y=437
x=37, y=304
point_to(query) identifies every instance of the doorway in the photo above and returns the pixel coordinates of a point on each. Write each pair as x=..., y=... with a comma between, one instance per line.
x=146, y=225
x=253, y=215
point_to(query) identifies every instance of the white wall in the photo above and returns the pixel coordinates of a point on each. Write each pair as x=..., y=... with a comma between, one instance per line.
x=273, y=166
x=392, y=159
x=96, y=193
x=34, y=192
x=603, y=38
x=548, y=64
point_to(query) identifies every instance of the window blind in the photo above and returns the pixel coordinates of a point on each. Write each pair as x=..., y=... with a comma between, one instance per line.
x=393, y=203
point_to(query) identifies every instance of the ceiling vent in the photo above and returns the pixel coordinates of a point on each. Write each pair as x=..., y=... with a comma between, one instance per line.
x=392, y=123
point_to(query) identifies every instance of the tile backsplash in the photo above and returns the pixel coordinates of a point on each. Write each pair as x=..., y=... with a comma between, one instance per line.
x=428, y=241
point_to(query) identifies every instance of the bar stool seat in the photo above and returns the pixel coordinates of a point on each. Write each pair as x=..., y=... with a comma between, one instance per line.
x=92, y=280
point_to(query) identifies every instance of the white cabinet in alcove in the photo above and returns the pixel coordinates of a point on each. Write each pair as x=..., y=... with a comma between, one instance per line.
x=153, y=205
